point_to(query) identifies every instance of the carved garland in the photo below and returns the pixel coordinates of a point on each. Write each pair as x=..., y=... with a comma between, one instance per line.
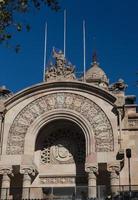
x=92, y=112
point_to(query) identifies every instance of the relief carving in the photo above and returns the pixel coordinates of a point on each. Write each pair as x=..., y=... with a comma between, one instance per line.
x=92, y=112
x=61, y=153
x=59, y=150
x=61, y=69
x=57, y=180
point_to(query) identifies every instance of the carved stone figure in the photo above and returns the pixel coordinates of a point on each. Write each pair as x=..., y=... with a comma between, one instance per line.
x=120, y=85
x=61, y=70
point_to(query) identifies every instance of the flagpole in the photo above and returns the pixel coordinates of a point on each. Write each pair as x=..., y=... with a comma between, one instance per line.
x=84, y=50
x=45, y=52
x=64, y=33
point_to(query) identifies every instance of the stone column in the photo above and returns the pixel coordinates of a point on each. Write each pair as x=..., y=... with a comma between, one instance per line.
x=114, y=169
x=5, y=171
x=27, y=173
x=92, y=186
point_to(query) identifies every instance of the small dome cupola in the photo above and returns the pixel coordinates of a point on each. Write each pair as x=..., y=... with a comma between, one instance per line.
x=96, y=75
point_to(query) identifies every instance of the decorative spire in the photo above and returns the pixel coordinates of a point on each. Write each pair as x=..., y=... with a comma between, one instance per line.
x=96, y=75
x=94, y=57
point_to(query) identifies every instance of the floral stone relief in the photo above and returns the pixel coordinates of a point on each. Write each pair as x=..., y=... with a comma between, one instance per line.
x=87, y=108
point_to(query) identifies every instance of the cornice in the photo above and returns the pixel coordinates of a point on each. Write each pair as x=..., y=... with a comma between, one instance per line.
x=61, y=85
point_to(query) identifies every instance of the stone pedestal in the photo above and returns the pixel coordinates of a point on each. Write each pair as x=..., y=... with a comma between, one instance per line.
x=92, y=186
x=114, y=169
x=27, y=173
x=5, y=171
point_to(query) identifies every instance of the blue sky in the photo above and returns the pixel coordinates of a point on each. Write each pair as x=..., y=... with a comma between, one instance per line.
x=113, y=24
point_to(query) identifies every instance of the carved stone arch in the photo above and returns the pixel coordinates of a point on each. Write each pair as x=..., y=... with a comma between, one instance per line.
x=46, y=118
x=98, y=120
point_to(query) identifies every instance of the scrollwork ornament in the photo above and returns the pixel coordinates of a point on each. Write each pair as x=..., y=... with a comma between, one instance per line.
x=28, y=171
x=91, y=169
x=6, y=170
x=114, y=168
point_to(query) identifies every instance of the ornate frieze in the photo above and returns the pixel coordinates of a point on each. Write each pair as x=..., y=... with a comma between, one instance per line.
x=91, y=111
x=57, y=180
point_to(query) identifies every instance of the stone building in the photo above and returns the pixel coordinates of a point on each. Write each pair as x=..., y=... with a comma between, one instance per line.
x=68, y=136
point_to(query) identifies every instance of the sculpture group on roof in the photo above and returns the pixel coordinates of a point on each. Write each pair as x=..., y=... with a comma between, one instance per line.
x=61, y=69
x=64, y=70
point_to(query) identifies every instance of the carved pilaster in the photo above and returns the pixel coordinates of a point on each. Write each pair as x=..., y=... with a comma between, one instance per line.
x=6, y=172
x=120, y=117
x=28, y=172
x=92, y=178
x=114, y=169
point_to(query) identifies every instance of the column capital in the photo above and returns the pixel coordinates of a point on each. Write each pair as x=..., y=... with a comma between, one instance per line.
x=91, y=168
x=28, y=170
x=6, y=170
x=114, y=167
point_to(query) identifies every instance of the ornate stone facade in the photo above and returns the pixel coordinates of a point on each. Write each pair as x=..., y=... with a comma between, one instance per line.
x=67, y=133
x=91, y=111
x=63, y=147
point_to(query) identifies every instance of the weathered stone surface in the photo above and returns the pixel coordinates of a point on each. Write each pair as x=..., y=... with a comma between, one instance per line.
x=91, y=111
x=61, y=70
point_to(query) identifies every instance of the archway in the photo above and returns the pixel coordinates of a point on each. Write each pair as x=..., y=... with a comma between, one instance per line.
x=77, y=107
x=61, y=148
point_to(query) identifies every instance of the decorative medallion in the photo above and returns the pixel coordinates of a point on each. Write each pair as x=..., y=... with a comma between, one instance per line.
x=62, y=147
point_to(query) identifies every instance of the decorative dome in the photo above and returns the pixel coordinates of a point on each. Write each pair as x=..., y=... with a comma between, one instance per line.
x=96, y=75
